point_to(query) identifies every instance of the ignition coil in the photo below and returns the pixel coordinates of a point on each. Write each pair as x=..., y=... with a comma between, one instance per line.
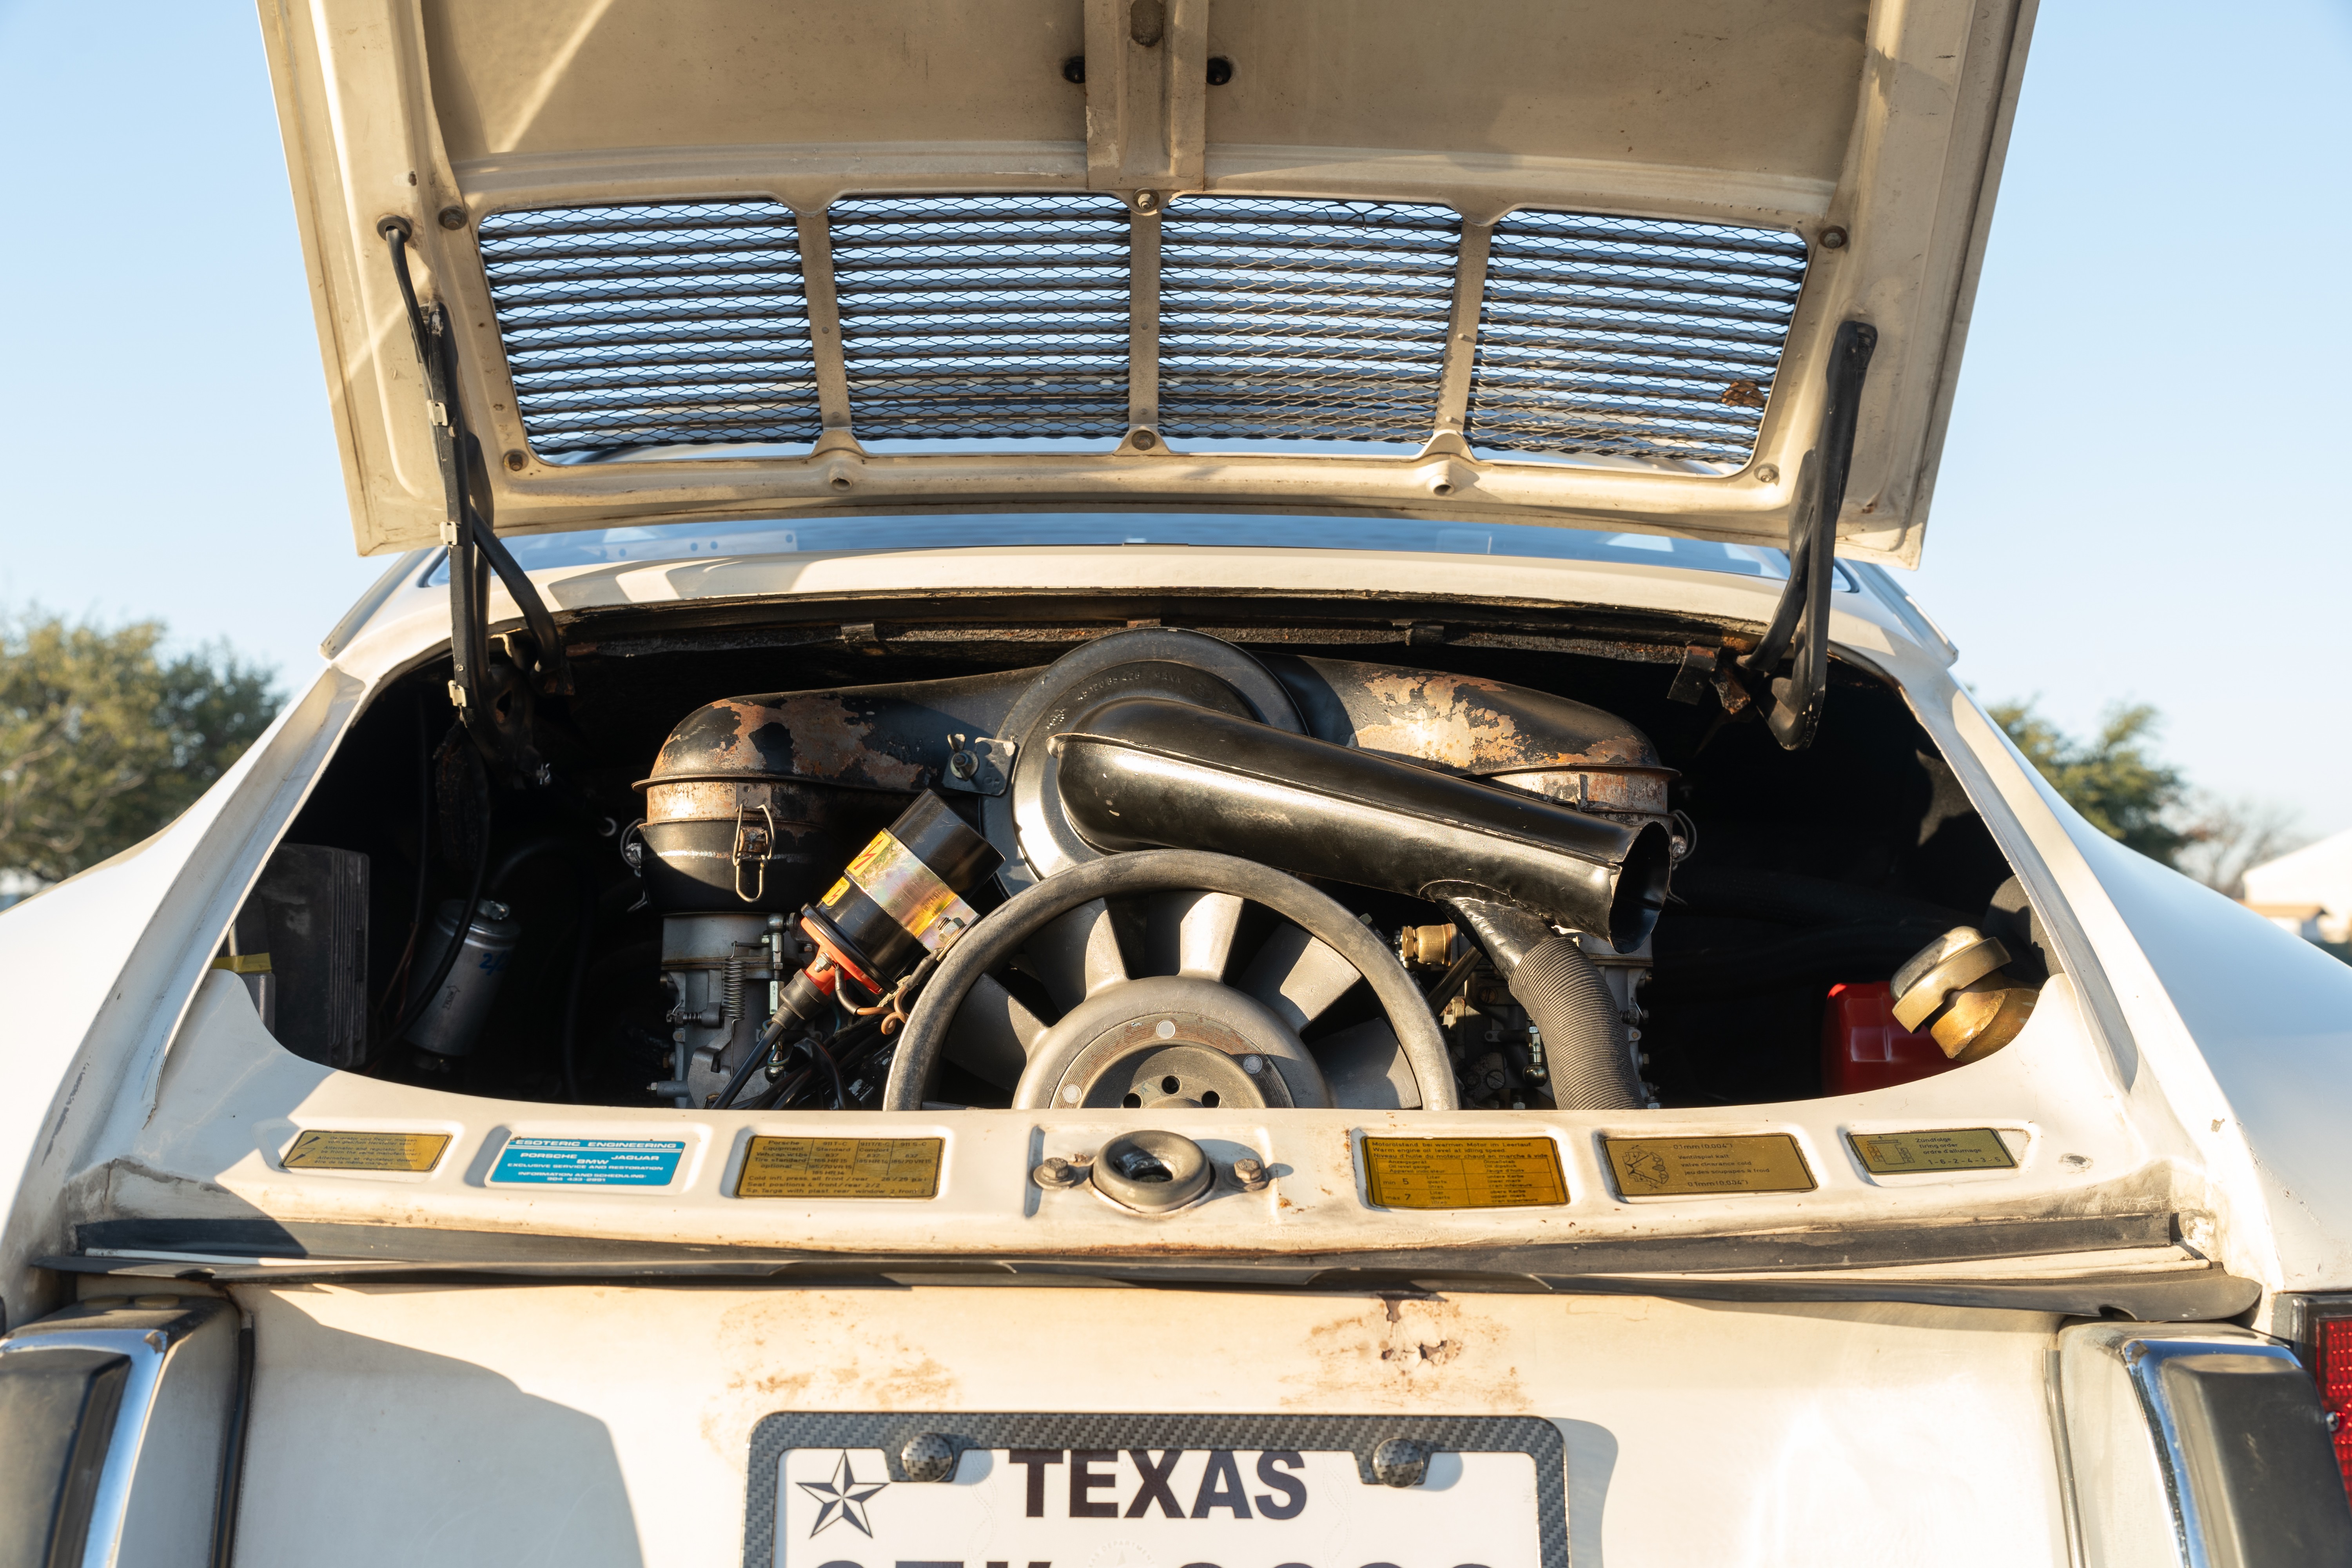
x=895, y=910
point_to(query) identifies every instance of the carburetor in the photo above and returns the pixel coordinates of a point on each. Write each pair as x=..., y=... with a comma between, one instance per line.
x=719, y=975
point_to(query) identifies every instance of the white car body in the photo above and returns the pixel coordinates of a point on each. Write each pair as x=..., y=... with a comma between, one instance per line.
x=452, y=1367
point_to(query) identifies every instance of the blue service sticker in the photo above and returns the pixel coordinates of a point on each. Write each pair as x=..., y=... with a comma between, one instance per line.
x=589, y=1161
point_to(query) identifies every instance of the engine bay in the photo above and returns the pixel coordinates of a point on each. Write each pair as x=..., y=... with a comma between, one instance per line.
x=1267, y=864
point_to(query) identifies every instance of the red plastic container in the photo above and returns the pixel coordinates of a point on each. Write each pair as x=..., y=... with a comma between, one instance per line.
x=1862, y=1048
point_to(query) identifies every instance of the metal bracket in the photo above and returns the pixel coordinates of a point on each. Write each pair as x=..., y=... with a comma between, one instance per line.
x=753, y=845
x=980, y=765
x=1695, y=674
x=1147, y=97
x=1705, y=669
x=1142, y=333
x=1462, y=334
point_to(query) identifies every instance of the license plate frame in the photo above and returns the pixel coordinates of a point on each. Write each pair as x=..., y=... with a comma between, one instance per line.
x=890, y=1432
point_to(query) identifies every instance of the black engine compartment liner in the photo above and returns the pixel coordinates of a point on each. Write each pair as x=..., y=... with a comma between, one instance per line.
x=1870, y=814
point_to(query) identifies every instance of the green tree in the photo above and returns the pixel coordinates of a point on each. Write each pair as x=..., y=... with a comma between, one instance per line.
x=103, y=740
x=2113, y=780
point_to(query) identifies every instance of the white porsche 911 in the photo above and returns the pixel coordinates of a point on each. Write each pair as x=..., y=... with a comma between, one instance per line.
x=1135, y=788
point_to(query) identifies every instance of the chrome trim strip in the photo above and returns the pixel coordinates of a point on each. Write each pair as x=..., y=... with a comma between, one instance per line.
x=2144, y=1359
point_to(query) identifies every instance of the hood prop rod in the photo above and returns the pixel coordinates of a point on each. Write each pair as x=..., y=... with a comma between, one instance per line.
x=499, y=728
x=1794, y=711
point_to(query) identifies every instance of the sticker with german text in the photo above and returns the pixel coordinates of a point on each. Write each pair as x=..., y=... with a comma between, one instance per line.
x=1944, y=1149
x=1463, y=1173
x=841, y=1168
x=1687, y=1167
x=324, y=1149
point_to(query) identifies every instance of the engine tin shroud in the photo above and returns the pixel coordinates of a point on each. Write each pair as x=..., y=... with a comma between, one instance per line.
x=832, y=766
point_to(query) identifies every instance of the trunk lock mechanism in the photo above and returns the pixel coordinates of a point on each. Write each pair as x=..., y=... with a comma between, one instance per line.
x=1152, y=1172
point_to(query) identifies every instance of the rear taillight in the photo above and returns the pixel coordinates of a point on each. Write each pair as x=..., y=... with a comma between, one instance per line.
x=2331, y=1355
x=2320, y=1328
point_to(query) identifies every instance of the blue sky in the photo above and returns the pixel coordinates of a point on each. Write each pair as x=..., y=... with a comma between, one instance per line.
x=2141, y=496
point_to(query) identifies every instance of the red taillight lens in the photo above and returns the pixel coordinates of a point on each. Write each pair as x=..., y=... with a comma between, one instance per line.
x=2331, y=1344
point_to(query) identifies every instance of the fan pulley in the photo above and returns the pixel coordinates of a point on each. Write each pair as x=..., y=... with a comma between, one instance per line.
x=1175, y=1041
x=1205, y=1023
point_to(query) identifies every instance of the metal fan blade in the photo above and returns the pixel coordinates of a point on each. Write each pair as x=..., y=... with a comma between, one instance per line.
x=1191, y=934
x=992, y=1033
x=1078, y=955
x=1366, y=1069
x=1298, y=976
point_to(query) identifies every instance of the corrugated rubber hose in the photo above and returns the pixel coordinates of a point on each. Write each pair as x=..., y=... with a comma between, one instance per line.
x=1583, y=1036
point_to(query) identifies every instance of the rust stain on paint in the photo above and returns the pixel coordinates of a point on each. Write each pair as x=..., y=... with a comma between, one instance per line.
x=1426, y=717
x=815, y=736
x=1403, y=1353
x=1475, y=726
x=805, y=1352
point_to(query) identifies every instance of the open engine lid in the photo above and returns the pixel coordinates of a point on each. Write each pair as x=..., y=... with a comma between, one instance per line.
x=1577, y=262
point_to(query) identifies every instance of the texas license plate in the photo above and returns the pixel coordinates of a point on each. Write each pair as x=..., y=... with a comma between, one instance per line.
x=1216, y=1496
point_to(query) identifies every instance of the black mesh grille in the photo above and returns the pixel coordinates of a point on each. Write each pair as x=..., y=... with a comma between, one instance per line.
x=983, y=316
x=1623, y=337
x=1285, y=320
x=639, y=326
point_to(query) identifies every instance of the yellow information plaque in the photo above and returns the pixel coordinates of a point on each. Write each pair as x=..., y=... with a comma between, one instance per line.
x=841, y=1168
x=1955, y=1149
x=1463, y=1173
x=1684, y=1167
x=325, y=1150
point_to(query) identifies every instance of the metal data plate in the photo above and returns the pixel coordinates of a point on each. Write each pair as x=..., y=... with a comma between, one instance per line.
x=327, y=1149
x=1680, y=1167
x=1953, y=1148
x=841, y=1168
x=1233, y=1491
x=1463, y=1173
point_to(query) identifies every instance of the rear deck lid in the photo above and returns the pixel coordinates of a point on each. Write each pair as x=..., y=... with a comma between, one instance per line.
x=1572, y=263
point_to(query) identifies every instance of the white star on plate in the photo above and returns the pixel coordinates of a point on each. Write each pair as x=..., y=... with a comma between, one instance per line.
x=844, y=1497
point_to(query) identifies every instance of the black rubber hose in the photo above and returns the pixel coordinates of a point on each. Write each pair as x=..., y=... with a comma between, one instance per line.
x=424, y=899
x=1766, y=656
x=554, y=672
x=782, y=1089
x=833, y=1070
x=753, y=1059
x=1013, y=922
x=422, y=997
x=1583, y=1034
x=578, y=855
x=423, y=904
x=230, y=1488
